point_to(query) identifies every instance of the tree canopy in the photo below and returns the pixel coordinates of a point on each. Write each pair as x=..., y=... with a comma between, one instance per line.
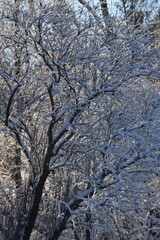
x=80, y=122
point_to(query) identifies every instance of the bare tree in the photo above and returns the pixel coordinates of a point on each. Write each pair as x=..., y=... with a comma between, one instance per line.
x=87, y=125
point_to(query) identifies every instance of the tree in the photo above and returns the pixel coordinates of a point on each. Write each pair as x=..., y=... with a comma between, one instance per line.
x=88, y=128
x=137, y=12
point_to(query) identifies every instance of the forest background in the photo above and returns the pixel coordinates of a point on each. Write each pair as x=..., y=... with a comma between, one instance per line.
x=79, y=120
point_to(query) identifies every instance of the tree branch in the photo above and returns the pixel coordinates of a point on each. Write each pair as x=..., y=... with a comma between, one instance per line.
x=93, y=12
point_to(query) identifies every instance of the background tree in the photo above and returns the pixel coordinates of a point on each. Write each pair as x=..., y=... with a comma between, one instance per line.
x=137, y=11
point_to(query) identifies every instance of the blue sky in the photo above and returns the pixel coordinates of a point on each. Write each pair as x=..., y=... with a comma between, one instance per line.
x=112, y=3
x=114, y=10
